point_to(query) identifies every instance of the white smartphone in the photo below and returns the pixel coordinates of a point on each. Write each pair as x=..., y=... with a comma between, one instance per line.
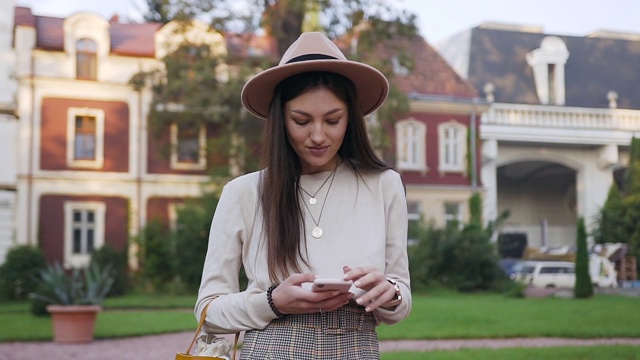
x=328, y=284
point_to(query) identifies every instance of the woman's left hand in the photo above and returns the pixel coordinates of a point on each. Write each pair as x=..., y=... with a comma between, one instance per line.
x=379, y=291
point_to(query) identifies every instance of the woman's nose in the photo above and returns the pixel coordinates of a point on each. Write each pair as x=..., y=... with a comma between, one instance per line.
x=317, y=133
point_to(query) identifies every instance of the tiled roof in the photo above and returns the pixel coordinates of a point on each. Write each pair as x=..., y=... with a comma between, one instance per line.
x=49, y=33
x=126, y=39
x=134, y=39
x=431, y=74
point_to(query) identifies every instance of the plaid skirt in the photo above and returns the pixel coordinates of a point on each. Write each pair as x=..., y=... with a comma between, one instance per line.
x=348, y=333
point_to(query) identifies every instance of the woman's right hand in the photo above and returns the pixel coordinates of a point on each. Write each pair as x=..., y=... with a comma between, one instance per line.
x=291, y=298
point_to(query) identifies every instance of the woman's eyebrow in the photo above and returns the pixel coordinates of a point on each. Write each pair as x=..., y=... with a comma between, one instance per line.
x=330, y=112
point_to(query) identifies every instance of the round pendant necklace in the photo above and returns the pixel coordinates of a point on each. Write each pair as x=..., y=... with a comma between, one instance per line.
x=317, y=231
x=313, y=200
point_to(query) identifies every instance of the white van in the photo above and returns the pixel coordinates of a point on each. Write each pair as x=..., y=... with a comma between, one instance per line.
x=546, y=274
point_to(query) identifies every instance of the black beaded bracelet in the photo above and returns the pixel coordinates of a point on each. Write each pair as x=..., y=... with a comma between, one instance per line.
x=272, y=305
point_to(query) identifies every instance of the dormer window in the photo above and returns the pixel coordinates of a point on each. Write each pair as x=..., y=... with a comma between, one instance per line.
x=547, y=63
x=86, y=59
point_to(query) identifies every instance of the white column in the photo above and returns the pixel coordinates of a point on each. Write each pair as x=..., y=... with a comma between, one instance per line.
x=488, y=177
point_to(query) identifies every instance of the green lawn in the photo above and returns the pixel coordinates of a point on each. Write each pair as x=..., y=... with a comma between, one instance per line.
x=447, y=316
x=438, y=316
x=554, y=353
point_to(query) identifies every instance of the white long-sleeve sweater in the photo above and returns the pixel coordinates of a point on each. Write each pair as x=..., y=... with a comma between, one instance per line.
x=364, y=222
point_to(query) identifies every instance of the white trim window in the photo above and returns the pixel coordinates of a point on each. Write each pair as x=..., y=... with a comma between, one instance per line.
x=83, y=231
x=411, y=145
x=452, y=140
x=85, y=138
x=453, y=213
x=188, y=147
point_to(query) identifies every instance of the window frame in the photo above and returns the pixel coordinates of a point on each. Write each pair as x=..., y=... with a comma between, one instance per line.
x=449, y=218
x=86, y=59
x=201, y=163
x=414, y=144
x=72, y=260
x=458, y=146
x=98, y=114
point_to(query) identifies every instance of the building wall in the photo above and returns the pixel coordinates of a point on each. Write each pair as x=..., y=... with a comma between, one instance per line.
x=47, y=88
x=52, y=221
x=8, y=130
x=53, y=149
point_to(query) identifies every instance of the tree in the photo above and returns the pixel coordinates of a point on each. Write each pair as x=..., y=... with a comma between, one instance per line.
x=618, y=218
x=611, y=227
x=584, y=286
x=178, y=96
x=633, y=171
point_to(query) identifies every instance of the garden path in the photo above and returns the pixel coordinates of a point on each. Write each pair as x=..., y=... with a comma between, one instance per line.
x=166, y=345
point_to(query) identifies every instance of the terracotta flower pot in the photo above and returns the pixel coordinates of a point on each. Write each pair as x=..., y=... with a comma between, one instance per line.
x=73, y=323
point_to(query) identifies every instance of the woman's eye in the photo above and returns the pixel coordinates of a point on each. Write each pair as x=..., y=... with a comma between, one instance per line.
x=301, y=122
x=333, y=122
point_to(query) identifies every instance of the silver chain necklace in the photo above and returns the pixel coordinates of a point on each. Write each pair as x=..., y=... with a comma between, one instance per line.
x=317, y=231
x=313, y=199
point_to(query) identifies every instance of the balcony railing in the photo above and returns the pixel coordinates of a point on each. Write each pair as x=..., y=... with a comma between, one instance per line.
x=562, y=117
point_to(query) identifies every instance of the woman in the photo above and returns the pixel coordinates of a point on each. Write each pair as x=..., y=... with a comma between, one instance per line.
x=323, y=206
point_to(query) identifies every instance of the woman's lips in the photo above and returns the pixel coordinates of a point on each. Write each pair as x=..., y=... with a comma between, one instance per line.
x=318, y=151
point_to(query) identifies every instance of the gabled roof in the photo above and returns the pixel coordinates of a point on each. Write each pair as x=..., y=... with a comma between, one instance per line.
x=596, y=65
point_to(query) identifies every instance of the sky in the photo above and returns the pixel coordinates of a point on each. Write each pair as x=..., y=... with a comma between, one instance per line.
x=437, y=19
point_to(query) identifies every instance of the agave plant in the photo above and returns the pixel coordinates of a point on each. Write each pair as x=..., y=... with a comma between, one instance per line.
x=86, y=286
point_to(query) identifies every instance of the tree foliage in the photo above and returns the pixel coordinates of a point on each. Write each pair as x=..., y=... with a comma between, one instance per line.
x=189, y=91
x=617, y=221
x=611, y=221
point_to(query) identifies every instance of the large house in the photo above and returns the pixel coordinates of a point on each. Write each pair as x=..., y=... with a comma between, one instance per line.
x=563, y=110
x=89, y=172
x=85, y=169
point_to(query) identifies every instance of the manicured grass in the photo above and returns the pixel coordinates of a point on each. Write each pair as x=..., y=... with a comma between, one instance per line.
x=131, y=320
x=438, y=316
x=139, y=301
x=553, y=353
x=496, y=316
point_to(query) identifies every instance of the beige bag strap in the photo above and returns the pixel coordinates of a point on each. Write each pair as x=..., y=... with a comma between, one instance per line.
x=201, y=323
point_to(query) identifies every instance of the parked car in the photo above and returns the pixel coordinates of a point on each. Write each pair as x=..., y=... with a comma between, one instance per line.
x=546, y=274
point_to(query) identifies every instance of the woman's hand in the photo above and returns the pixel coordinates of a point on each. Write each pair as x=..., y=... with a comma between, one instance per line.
x=291, y=298
x=379, y=291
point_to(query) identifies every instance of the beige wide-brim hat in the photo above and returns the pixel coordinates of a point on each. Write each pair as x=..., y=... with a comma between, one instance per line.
x=313, y=51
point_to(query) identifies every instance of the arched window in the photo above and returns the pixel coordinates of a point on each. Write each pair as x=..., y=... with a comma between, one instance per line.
x=86, y=59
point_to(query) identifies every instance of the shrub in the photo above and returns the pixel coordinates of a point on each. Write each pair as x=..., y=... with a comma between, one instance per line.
x=192, y=237
x=107, y=255
x=156, y=255
x=462, y=259
x=86, y=286
x=18, y=271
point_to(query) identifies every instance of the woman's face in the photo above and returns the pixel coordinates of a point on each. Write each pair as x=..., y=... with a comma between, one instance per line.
x=316, y=122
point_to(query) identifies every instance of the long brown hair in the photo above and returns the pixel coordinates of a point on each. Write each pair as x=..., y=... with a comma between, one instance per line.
x=279, y=187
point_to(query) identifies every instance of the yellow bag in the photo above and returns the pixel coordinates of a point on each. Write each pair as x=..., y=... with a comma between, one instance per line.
x=187, y=356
